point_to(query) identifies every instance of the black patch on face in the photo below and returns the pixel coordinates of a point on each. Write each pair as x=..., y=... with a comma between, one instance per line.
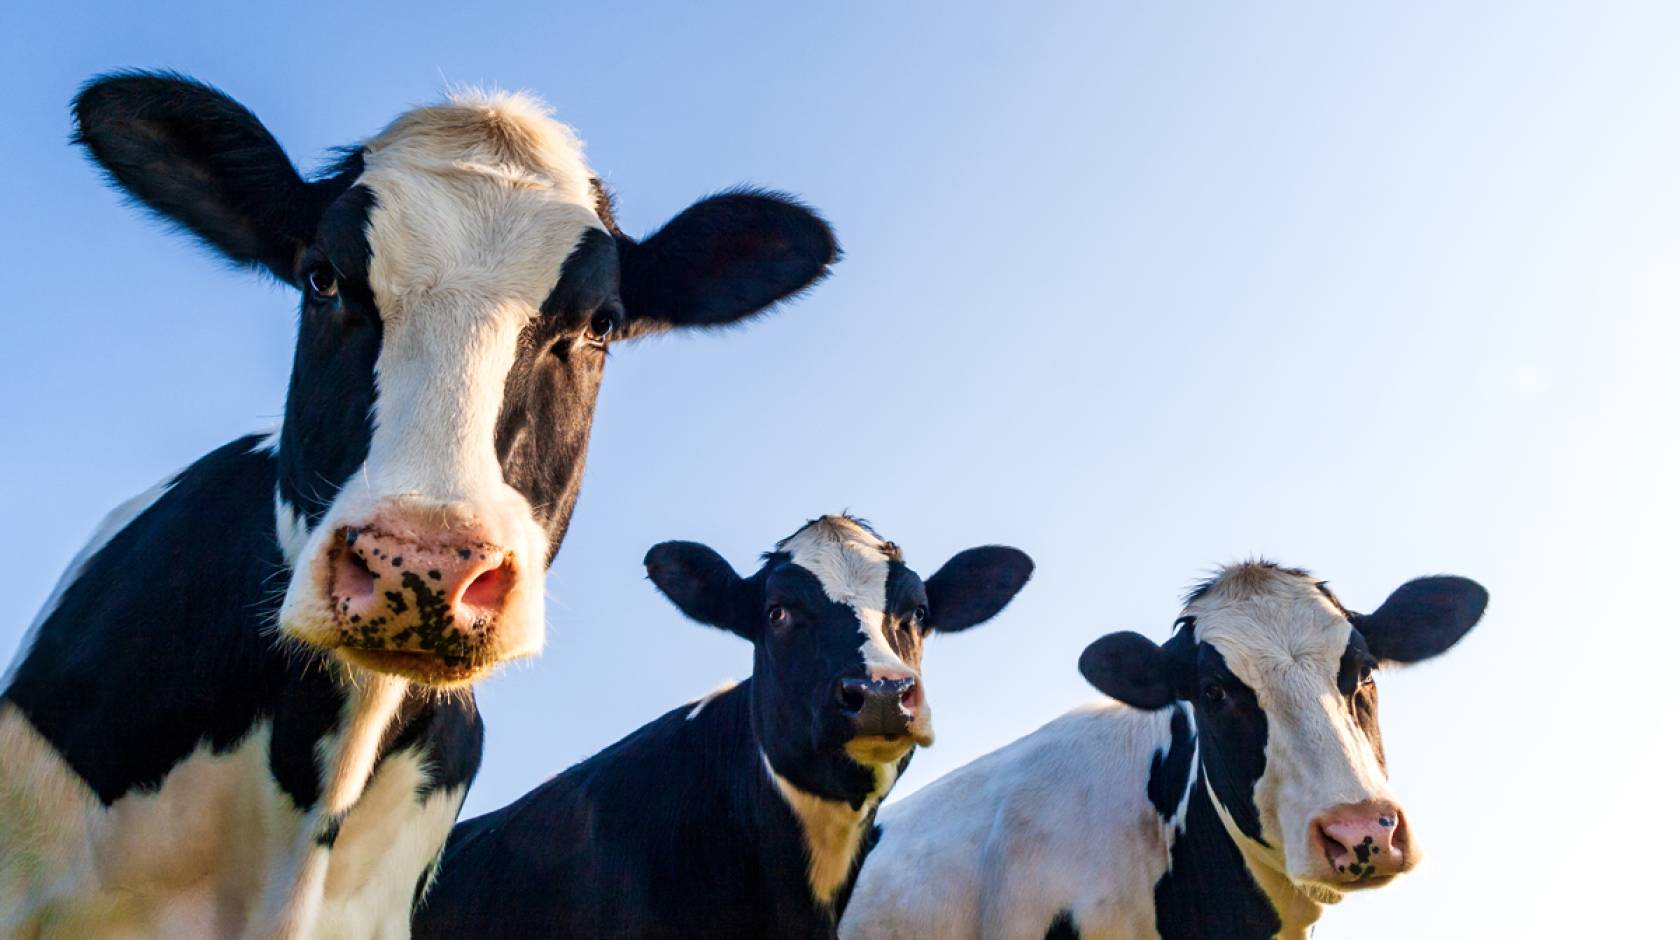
x=1062, y=928
x=1355, y=681
x=1233, y=738
x=1169, y=770
x=797, y=667
x=329, y=402
x=1207, y=892
x=548, y=402
x=905, y=596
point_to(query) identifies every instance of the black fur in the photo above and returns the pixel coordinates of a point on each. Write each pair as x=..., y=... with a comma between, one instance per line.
x=678, y=830
x=164, y=644
x=1169, y=770
x=1207, y=892
x=1062, y=928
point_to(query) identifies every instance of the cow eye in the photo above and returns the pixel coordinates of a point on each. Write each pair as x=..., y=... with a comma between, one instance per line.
x=1367, y=673
x=777, y=615
x=1213, y=692
x=601, y=327
x=919, y=616
x=323, y=284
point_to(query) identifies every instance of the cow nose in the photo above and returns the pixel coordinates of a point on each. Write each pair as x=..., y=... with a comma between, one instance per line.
x=1363, y=840
x=407, y=592
x=883, y=705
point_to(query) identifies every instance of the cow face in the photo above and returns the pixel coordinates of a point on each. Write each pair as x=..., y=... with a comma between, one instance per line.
x=837, y=622
x=462, y=279
x=1281, y=680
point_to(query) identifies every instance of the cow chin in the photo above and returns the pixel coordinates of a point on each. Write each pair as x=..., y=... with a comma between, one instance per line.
x=872, y=749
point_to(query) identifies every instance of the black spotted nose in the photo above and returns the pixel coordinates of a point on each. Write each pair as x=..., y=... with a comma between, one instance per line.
x=884, y=706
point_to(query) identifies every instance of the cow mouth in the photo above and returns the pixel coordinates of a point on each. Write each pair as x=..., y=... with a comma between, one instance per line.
x=880, y=748
x=425, y=668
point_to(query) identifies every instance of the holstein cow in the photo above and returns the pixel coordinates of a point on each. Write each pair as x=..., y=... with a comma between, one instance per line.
x=742, y=814
x=226, y=721
x=1238, y=785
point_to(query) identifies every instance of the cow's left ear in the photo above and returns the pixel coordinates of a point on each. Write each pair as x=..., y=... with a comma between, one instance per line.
x=722, y=259
x=701, y=584
x=1422, y=618
x=974, y=585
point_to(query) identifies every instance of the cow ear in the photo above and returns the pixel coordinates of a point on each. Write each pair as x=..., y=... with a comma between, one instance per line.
x=974, y=585
x=702, y=585
x=1422, y=618
x=722, y=259
x=201, y=161
x=1129, y=667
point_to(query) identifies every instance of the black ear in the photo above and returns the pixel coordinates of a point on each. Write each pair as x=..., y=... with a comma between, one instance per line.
x=1422, y=618
x=701, y=584
x=974, y=585
x=1129, y=667
x=722, y=259
x=202, y=161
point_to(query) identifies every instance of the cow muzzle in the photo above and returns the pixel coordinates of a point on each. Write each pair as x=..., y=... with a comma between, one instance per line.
x=1360, y=845
x=886, y=714
x=429, y=595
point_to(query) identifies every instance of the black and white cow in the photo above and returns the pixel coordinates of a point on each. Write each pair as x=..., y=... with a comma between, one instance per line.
x=1238, y=785
x=226, y=721
x=742, y=814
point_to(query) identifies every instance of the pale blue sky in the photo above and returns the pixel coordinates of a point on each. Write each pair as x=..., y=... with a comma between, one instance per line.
x=1381, y=291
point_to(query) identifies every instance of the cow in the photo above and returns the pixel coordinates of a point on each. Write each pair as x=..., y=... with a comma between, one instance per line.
x=245, y=710
x=744, y=813
x=1236, y=785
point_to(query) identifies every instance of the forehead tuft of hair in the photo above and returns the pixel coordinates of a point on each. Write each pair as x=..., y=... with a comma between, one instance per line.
x=509, y=136
x=843, y=531
x=1249, y=579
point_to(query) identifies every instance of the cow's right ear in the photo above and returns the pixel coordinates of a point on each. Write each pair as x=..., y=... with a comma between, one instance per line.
x=1131, y=668
x=702, y=585
x=200, y=160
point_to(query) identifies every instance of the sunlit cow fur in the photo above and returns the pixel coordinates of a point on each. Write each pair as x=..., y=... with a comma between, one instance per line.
x=1190, y=812
x=198, y=737
x=742, y=814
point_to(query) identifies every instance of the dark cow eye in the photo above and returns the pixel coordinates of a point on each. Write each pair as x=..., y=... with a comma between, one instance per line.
x=777, y=615
x=919, y=616
x=1367, y=673
x=1214, y=693
x=323, y=284
x=601, y=327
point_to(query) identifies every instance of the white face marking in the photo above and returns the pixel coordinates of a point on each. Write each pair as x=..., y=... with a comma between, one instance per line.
x=851, y=565
x=477, y=205
x=1284, y=639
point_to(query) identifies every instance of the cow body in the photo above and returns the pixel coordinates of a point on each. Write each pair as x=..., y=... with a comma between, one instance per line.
x=195, y=803
x=246, y=710
x=744, y=814
x=1237, y=787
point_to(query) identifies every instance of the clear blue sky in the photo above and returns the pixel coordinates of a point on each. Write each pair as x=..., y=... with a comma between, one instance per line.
x=1381, y=291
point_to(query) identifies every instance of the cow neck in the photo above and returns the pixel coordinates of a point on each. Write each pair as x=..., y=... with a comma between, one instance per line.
x=1218, y=883
x=833, y=834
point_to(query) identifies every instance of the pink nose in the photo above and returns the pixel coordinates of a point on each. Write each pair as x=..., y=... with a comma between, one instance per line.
x=400, y=588
x=1362, y=840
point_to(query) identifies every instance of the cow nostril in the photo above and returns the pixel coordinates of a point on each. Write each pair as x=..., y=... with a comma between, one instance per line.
x=851, y=695
x=490, y=588
x=911, y=696
x=355, y=578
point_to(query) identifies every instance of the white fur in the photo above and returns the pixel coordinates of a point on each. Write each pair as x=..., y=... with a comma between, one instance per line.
x=851, y=565
x=115, y=521
x=479, y=202
x=1061, y=821
x=832, y=828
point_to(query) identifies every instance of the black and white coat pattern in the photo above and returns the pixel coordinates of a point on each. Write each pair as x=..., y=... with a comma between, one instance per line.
x=743, y=814
x=1205, y=808
x=244, y=711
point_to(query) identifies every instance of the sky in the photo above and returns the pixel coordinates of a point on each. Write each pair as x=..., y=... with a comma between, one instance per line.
x=1381, y=290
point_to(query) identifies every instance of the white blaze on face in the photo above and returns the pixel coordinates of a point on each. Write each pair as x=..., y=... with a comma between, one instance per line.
x=1284, y=639
x=851, y=564
x=477, y=205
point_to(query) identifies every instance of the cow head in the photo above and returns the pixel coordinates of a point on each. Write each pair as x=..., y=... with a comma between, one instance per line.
x=837, y=622
x=1281, y=679
x=462, y=279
